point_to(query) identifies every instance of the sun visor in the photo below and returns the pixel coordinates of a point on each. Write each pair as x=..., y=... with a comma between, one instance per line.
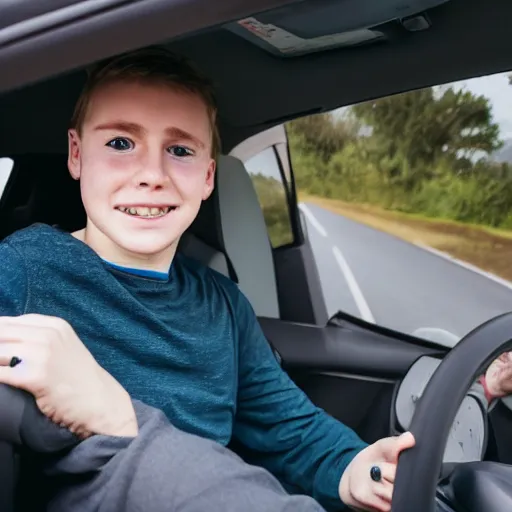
x=312, y=26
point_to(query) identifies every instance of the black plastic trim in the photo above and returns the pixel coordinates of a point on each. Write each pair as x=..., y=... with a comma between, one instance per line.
x=301, y=297
x=47, y=21
x=342, y=319
x=52, y=48
x=341, y=349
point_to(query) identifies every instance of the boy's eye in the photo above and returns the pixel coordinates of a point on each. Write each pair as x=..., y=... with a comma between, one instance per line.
x=120, y=144
x=180, y=151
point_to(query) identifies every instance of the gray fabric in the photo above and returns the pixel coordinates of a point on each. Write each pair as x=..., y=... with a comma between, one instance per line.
x=194, y=248
x=164, y=470
x=245, y=236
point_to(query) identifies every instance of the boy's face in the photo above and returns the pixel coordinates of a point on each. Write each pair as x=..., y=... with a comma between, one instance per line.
x=144, y=164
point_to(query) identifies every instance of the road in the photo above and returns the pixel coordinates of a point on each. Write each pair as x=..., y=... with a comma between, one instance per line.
x=397, y=284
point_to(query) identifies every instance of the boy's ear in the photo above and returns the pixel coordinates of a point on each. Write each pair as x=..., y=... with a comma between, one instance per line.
x=74, y=149
x=210, y=179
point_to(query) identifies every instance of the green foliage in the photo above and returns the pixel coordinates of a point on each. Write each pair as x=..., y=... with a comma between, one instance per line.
x=424, y=126
x=322, y=134
x=272, y=199
x=425, y=151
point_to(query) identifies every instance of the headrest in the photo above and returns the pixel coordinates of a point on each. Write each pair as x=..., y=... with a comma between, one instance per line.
x=40, y=189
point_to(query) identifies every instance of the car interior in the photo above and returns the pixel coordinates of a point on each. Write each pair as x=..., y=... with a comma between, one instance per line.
x=363, y=374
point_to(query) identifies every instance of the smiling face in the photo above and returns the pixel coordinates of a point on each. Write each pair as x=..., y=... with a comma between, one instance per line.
x=143, y=158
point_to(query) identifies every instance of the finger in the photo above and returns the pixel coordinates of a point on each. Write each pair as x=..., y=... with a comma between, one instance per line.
x=388, y=471
x=26, y=374
x=374, y=503
x=24, y=334
x=9, y=358
x=505, y=357
x=16, y=377
x=10, y=349
x=33, y=320
x=392, y=446
x=384, y=490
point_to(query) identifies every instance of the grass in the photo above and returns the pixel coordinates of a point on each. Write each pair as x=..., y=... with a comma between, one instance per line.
x=487, y=248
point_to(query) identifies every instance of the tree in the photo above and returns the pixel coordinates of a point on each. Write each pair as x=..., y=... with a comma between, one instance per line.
x=427, y=125
x=425, y=151
x=323, y=134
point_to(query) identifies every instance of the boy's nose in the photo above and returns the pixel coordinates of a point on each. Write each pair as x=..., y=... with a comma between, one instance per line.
x=153, y=175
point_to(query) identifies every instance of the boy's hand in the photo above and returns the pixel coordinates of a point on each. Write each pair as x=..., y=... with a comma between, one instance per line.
x=358, y=490
x=68, y=384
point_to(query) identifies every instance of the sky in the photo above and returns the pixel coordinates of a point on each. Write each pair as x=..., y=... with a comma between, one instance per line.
x=499, y=91
x=495, y=87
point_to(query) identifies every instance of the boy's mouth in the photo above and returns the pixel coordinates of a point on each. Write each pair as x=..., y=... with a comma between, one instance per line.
x=146, y=212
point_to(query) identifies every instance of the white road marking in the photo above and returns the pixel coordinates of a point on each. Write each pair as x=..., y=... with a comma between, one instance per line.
x=354, y=288
x=465, y=265
x=357, y=294
x=312, y=219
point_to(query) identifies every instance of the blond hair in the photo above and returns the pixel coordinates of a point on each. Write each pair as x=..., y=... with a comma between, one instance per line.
x=153, y=65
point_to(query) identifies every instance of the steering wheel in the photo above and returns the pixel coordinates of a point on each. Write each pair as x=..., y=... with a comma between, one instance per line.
x=22, y=424
x=488, y=486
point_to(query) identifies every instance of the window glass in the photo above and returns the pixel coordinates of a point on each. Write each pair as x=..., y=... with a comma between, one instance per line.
x=408, y=200
x=5, y=171
x=266, y=177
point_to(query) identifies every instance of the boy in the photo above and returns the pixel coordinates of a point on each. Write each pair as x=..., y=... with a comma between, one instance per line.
x=165, y=330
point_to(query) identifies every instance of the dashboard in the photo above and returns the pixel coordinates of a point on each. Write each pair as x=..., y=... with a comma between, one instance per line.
x=467, y=440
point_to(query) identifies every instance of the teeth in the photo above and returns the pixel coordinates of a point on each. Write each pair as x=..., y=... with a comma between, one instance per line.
x=145, y=211
x=142, y=211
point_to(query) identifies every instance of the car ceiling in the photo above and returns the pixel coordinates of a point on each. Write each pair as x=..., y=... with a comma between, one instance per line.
x=256, y=90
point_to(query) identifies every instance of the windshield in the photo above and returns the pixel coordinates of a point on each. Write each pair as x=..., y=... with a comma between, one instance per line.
x=408, y=201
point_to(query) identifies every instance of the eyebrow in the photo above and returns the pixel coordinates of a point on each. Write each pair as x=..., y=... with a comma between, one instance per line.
x=122, y=126
x=139, y=131
x=177, y=133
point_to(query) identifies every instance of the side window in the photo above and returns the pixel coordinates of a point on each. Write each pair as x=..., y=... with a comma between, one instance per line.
x=5, y=171
x=266, y=176
x=408, y=203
